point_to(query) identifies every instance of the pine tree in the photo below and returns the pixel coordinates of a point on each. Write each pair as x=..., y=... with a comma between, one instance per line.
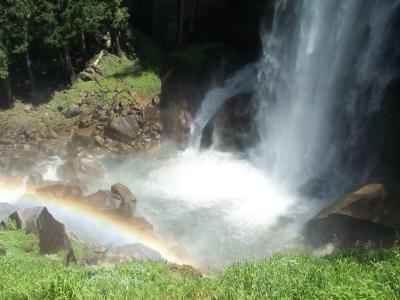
x=116, y=20
x=16, y=30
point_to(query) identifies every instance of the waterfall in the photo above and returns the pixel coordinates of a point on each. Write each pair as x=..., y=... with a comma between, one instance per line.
x=324, y=70
x=322, y=75
x=240, y=82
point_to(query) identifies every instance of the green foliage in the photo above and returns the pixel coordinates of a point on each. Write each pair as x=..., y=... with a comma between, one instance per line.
x=356, y=274
x=16, y=14
x=55, y=24
x=3, y=63
x=119, y=74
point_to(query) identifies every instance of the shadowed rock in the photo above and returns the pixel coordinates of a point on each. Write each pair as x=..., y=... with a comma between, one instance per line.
x=371, y=213
x=53, y=237
x=128, y=200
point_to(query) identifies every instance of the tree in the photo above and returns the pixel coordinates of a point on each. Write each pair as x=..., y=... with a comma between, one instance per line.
x=4, y=73
x=116, y=19
x=88, y=17
x=54, y=21
x=16, y=28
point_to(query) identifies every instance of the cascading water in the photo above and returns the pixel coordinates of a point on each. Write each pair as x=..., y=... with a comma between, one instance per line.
x=324, y=70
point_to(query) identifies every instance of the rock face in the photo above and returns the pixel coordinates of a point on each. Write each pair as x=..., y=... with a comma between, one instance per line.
x=52, y=235
x=232, y=124
x=371, y=213
x=127, y=253
x=124, y=129
x=80, y=169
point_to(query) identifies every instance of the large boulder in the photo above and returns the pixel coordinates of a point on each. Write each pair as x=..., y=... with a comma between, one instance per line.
x=103, y=199
x=131, y=252
x=82, y=168
x=53, y=237
x=124, y=129
x=59, y=190
x=370, y=213
x=128, y=200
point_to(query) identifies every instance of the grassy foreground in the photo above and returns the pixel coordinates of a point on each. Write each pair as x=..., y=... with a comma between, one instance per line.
x=362, y=274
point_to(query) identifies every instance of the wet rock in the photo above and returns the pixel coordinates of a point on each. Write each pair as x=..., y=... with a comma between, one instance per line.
x=103, y=199
x=231, y=125
x=52, y=235
x=84, y=120
x=31, y=133
x=61, y=191
x=83, y=137
x=370, y=213
x=81, y=168
x=151, y=114
x=123, y=129
x=35, y=180
x=127, y=253
x=6, y=141
x=73, y=111
x=99, y=140
x=128, y=200
x=53, y=134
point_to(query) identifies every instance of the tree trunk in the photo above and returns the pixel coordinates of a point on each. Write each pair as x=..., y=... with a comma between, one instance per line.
x=83, y=42
x=30, y=73
x=118, y=50
x=8, y=90
x=68, y=65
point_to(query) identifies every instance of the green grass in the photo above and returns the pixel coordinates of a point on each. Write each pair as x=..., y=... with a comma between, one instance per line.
x=121, y=75
x=358, y=274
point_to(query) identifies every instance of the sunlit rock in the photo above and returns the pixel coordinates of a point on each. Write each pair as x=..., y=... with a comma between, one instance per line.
x=124, y=129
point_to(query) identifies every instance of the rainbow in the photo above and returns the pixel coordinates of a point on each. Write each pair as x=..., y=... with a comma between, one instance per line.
x=121, y=225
